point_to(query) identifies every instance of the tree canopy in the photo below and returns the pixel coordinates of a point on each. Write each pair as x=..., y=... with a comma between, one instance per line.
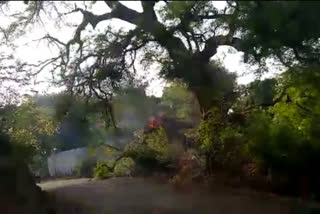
x=181, y=36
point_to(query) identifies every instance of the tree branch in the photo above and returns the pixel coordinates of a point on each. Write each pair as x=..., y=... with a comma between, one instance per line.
x=214, y=16
x=146, y=21
x=304, y=59
x=214, y=42
x=275, y=101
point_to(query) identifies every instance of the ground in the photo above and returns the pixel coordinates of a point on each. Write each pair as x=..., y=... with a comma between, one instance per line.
x=138, y=195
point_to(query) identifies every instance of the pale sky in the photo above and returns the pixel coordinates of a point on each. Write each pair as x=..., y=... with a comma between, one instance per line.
x=32, y=52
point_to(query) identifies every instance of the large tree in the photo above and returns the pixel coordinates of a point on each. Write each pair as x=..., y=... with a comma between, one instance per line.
x=181, y=36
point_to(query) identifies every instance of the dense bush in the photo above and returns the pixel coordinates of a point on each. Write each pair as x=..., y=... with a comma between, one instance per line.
x=124, y=167
x=149, y=147
x=157, y=142
x=101, y=170
x=222, y=143
x=285, y=150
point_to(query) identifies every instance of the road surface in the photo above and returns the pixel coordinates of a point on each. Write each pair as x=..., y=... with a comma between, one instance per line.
x=138, y=195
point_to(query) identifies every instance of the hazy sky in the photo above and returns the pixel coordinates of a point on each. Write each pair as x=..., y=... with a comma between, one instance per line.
x=36, y=51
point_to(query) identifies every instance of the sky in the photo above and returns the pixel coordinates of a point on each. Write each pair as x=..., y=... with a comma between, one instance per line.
x=34, y=51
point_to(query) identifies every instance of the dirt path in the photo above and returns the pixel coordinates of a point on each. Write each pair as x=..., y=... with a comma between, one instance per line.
x=137, y=195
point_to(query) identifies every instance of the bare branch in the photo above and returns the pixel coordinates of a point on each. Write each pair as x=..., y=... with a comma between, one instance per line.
x=50, y=38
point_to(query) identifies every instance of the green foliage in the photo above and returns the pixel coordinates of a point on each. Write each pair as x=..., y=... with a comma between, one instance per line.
x=124, y=167
x=263, y=92
x=223, y=141
x=157, y=141
x=57, y=122
x=149, y=149
x=178, y=11
x=101, y=170
x=284, y=134
x=209, y=130
x=28, y=127
x=275, y=28
x=205, y=133
x=281, y=146
x=31, y=131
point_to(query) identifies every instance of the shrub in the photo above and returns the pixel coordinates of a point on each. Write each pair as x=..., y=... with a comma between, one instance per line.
x=286, y=151
x=278, y=144
x=149, y=150
x=222, y=142
x=124, y=167
x=157, y=142
x=101, y=170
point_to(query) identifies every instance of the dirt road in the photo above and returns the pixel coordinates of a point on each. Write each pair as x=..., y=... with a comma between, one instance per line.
x=137, y=195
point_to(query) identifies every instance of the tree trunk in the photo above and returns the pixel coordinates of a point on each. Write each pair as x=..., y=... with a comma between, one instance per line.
x=194, y=70
x=109, y=114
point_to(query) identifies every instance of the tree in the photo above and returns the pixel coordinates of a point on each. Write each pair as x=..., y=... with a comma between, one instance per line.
x=181, y=36
x=284, y=133
x=79, y=121
x=183, y=48
x=282, y=30
x=277, y=118
x=30, y=131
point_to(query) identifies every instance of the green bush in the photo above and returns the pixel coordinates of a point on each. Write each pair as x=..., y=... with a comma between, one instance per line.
x=157, y=142
x=151, y=146
x=85, y=168
x=101, y=170
x=282, y=146
x=222, y=141
x=124, y=167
